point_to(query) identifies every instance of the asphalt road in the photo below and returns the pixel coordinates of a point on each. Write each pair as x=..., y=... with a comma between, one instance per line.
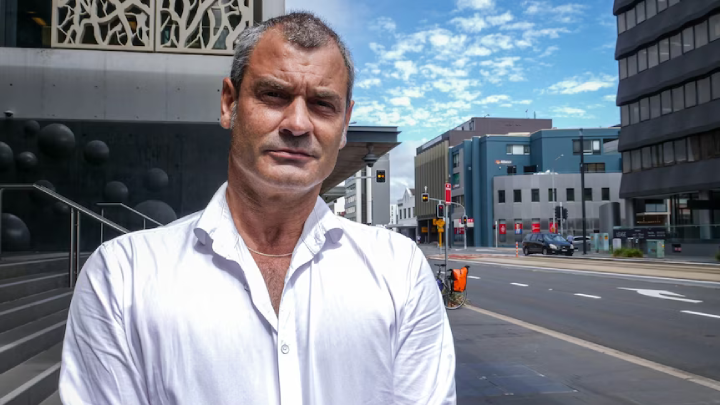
x=681, y=331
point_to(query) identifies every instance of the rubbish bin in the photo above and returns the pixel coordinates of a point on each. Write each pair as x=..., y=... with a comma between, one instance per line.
x=656, y=248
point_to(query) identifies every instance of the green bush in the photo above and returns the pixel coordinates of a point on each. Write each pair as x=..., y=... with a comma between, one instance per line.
x=619, y=252
x=717, y=256
x=625, y=252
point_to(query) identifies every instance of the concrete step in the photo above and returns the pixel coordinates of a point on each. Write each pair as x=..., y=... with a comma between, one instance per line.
x=28, y=309
x=29, y=266
x=32, y=381
x=53, y=399
x=20, y=287
x=19, y=344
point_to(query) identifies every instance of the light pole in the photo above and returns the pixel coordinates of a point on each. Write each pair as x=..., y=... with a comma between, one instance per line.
x=554, y=192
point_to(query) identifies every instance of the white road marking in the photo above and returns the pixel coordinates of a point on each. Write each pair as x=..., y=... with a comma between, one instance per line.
x=519, y=285
x=666, y=295
x=701, y=314
x=697, y=379
x=588, y=296
x=475, y=277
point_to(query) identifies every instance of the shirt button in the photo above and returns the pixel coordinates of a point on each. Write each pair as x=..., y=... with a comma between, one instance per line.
x=285, y=349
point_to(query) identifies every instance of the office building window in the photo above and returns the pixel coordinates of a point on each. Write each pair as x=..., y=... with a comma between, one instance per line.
x=678, y=98
x=624, y=120
x=512, y=169
x=640, y=12
x=668, y=153
x=675, y=46
x=570, y=194
x=630, y=16
x=518, y=149
x=688, y=39
x=605, y=194
x=703, y=90
x=623, y=68
x=656, y=151
x=456, y=159
x=651, y=8
x=714, y=27
x=653, y=59
x=646, y=158
x=664, y=50
x=627, y=163
x=595, y=168
x=588, y=194
x=590, y=146
x=621, y=23
x=551, y=195
x=666, y=97
x=517, y=196
x=693, y=149
x=634, y=113
x=632, y=65
x=501, y=196
x=530, y=169
x=535, y=195
x=642, y=60
x=655, y=106
x=716, y=86
x=690, y=95
x=662, y=5
x=636, y=160
x=681, y=150
x=456, y=179
x=701, y=34
x=644, y=109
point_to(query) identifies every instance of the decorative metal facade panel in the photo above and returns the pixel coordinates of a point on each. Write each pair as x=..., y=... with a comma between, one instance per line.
x=201, y=26
x=103, y=24
x=182, y=26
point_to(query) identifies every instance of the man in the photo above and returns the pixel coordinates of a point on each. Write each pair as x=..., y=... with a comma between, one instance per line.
x=265, y=297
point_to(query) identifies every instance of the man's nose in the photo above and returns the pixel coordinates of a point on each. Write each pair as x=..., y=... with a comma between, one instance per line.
x=297, y=119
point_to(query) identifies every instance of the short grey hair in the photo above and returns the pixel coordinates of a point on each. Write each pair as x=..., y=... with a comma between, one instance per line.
x=300, y=28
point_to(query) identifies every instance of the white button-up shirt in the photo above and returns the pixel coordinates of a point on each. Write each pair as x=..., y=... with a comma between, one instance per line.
x=181, y=315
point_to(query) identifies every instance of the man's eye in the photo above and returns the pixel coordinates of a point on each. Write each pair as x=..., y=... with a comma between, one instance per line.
x=325, y=104
x=272, y=94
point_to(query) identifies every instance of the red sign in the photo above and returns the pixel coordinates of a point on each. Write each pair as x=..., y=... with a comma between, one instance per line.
x=535, y=227
x=553, y=227
x=448, y=189
x=459, y=231
x=518, y=228
x=503, y=229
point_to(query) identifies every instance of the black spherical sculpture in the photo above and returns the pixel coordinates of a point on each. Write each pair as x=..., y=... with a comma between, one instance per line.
x=57, y=140
x=26, y=161
x=15, y=234
x=116, y=191
x=157, y=210
x=156, y=179
x=6, y=156
x=96, y=152
x=31, y=128
x=60, y=208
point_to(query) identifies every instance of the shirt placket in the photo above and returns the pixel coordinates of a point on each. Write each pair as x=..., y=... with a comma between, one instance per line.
x=288, y=353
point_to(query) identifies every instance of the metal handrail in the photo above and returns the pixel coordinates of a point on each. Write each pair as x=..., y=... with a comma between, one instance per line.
x=75, y=211
x=134, y=211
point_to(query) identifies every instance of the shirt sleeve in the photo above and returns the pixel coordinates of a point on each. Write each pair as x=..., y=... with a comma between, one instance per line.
x=424, y=371
x=97, y=367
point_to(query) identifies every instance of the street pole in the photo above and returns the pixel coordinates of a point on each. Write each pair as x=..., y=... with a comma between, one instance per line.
x=582, y=191
x=561, y=219
x=447, y=228
x=497, y=234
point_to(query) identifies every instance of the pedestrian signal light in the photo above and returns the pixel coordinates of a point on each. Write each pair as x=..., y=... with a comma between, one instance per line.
x=564, y=213
x=425, y=197
x=440, y=211
x=464, y=219
x=380, y=176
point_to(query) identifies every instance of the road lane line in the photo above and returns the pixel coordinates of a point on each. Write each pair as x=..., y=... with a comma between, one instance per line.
x=588, y=296
x=519, y=285
x=694, y=378
x=475, y=277
x=701, y=314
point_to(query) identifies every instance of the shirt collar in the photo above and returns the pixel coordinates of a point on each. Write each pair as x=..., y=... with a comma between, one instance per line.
x=215, y=226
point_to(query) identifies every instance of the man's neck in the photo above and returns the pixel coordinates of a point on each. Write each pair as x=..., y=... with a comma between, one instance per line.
x=268, y=222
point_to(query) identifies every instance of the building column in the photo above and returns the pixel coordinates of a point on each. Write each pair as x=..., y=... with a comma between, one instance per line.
x=629, y=213
x=358, y=197
x=703, y=217
x=368, y=196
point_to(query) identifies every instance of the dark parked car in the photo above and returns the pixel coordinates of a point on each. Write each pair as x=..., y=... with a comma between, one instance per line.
x=546, y=243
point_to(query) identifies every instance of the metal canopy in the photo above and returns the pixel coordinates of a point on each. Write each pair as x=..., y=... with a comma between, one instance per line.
x=350, y=159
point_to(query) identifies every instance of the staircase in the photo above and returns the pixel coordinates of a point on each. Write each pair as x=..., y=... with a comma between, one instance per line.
x=34, y=301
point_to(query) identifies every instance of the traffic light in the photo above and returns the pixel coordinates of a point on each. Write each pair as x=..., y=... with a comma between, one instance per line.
x=380, y=176
x=464, y=219
x=558, y=212
x=425, y=197
x=564, y=213
x=440, y=211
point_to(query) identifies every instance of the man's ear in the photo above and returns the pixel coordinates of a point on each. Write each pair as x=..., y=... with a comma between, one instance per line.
x=227, y=104
x=343, y=142
x=348, y=115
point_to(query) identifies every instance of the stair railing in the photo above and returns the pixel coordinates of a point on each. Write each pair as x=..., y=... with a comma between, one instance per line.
x=144, y=217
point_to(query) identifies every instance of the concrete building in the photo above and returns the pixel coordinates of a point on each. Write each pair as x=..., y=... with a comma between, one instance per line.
x=407, y=221
x=393, y=216
x=510, y=178
x=366, y=200
x=669, y=97
x=431, y=159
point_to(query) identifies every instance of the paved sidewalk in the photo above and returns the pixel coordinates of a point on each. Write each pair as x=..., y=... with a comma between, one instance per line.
x=502, y=363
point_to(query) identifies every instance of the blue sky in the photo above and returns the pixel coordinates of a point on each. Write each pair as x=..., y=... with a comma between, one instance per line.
x=427, y=66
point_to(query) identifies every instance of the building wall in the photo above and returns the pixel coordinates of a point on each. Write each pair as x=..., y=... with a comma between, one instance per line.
x=381, y=193
x=431, y=171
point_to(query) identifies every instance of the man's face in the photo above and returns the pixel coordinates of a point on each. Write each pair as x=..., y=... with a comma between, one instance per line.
x=291, y=114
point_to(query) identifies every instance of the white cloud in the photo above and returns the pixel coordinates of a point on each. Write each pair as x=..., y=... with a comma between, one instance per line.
x=497, y=41
x=610, y=97
x=525, y=102
x=520, y=25
x=583, y=83
x=472, y=24
x=383, y=24
x=570, y=112
x=476, y=50
x=447, y=85
x=433, y=71
x=507, y=105
x=565, y=13
x=367, y=83
x=400, y=101
x=495, y=70
x=549, y=51
x=413, y=92
x=412, y=43
x=402, y=167
x=475, y=4
x=500, y=19
x=405, y=69
x=493, y=99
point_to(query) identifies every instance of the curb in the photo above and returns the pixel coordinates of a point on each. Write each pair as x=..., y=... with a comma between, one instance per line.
x=613, y=259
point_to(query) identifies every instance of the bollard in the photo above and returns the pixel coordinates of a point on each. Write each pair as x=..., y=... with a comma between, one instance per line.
x=516, y=250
